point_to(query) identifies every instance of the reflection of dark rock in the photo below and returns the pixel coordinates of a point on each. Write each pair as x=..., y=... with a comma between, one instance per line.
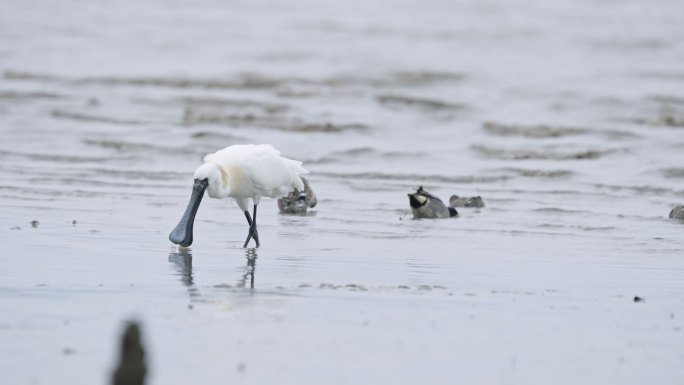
x=456, y=201
x=425, y=205
x=297, y=202
x=677, y=212
x=131, y=369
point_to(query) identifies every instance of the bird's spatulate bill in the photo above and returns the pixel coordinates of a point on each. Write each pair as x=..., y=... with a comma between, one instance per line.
x=182, y=234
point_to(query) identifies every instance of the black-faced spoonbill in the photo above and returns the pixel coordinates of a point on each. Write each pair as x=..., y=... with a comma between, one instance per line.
x=242, y=172
x=425, y=205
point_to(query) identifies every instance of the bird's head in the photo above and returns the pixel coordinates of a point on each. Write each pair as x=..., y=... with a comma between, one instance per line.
x=209, y=172
x=418, y=198
x=216, y=177
x=207, y=175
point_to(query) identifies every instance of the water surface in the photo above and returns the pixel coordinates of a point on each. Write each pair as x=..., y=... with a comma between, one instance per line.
x=567, y=118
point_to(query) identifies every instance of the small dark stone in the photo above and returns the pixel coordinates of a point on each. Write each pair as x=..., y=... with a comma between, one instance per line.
x=34, y=223
x=68, y=351
x=639, y=299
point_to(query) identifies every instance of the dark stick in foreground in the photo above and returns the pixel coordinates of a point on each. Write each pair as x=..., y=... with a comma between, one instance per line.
x=131, y=369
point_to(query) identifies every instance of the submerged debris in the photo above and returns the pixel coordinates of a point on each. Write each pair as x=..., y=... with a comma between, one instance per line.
x=675, y=172
x=401, y=101
x=298, y=202
x=456, y=201
x=662, y=120
x=131, y=369
x=425, y=205
x=193, y=116
x=543, y=154
x=532, y=131
x=677, y=212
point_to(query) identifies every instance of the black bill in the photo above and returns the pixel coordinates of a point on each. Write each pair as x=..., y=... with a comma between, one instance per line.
x=182, y=234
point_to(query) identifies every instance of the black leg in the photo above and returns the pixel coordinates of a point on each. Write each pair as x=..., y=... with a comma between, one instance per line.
x=252, y=228
x=249, y=234
x=256, y=233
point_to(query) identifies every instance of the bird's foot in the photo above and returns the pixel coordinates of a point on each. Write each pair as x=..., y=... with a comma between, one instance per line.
x=253, y=233
x=256, y=236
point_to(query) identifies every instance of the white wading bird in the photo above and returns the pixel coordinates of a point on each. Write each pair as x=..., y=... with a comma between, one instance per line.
x=242, y=172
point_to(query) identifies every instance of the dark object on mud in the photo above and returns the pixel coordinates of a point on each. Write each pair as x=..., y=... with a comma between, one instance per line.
x=297, y=202
x=456, y=201
x=426, y=205
x=677, y=212
x=131, y=369
x=639, y=299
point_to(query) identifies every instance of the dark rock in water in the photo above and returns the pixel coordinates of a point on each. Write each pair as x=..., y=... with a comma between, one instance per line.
x=456, y=201
x=34, y=223
x=677, y=212
x=131, y=369
x=638, y=299
x=425, y=205
x=298, y=202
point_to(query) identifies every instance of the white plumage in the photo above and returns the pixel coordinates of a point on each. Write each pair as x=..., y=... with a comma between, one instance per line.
x=250, y=171
x=242, y=172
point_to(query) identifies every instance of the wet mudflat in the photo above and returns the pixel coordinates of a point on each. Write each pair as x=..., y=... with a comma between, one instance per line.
x=567, y=118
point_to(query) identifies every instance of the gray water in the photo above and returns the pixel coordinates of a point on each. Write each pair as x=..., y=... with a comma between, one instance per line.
x=567, y=117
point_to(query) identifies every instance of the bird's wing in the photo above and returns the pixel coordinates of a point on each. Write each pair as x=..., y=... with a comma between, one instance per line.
x=271, y=174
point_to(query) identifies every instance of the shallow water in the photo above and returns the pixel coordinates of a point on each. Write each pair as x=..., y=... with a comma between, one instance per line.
x=567, y=118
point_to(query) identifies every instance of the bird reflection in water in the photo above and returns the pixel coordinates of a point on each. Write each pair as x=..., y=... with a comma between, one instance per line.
x=251, y=255
x=182, y=259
